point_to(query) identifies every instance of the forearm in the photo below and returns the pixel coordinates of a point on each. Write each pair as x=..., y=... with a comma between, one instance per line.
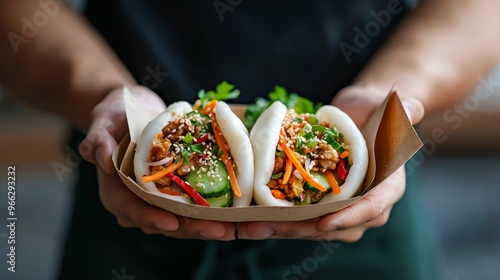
x=65, y=68
x=438, y=52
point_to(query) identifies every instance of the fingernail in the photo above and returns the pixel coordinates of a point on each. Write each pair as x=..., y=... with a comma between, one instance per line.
x=407, y=105
x=262, y=232
x=162, y=226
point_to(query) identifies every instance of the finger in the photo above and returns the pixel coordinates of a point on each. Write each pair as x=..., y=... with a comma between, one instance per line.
x=369, y=208
x=98, y=147
x=132, y=211
x=212, y=230
x=125, y=205
x=187, y=231
x=109, y=126
x=350, y=99
x=414, y=109
x=266, y=230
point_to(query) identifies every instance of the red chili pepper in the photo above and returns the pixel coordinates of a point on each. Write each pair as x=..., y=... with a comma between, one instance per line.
x=201, y=139
x=189, y=190
x=341, y=170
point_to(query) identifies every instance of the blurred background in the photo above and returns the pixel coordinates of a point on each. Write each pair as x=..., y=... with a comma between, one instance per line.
x=459, y=169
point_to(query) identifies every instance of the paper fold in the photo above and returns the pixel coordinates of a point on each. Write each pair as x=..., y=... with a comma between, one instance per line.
x=390, y=138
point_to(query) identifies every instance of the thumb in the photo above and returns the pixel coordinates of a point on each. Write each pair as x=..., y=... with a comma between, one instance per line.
x=100, y=143
x=108, y=127
x=414, y=109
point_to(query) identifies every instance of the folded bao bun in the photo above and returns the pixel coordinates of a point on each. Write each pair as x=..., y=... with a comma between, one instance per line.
x=264, y=138
x=233, y=131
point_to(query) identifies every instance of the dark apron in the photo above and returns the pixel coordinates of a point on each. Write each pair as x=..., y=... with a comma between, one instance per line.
x=97, y=248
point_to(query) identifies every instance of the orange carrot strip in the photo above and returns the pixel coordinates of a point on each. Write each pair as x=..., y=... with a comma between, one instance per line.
x=170, y=192
x=288, y=171
x=277, y=194
x=291, y=155
x=209, y=107
x=225, y=157
x=333, y=183
x=344, y=154
x=160, y=174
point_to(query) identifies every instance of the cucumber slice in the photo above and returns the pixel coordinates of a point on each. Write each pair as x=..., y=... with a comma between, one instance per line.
x=321, y=179
x=209, y=181
x=224, y=200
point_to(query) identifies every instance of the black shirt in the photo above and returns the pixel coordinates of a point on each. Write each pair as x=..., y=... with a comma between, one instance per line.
x=311, y=47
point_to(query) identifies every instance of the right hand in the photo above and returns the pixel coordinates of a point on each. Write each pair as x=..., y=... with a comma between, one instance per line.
x=109, y=126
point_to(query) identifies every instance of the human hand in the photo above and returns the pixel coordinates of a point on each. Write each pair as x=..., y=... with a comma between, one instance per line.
x=350, y=223
x=109, y=126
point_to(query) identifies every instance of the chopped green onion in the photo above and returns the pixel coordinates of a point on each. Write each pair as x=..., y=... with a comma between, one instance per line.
x=277, y=175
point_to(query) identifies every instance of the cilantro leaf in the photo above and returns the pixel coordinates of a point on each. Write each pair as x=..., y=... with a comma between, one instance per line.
x=279, y=94
x=254, y=110
x=223, y=91
x=292, y=101
x=198, y=148
x=188, y=139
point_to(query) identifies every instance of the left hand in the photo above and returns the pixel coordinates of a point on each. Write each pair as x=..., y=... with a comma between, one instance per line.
x=350, y=223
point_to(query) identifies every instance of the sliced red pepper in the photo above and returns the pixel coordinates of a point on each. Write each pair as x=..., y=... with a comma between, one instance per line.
x=201, y=139
x=189, y=190
x=170, y=192
x=341, y=170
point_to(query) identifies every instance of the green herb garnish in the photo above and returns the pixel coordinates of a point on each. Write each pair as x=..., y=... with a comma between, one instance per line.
x=223, y=91
x=292, y=101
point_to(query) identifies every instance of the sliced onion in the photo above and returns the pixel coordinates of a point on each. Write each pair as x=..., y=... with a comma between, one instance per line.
x=161, y=162
x=296, y=173
x=307, y=166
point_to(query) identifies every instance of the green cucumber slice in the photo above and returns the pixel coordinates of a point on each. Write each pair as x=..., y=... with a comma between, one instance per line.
x=209, y=181
x=224, y=200
x=321, y=179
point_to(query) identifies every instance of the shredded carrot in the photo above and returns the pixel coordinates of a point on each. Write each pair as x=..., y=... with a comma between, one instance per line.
x=160, y=174
x=209, y=107
x=225, y=157
x=277, y=194
x=333, y=183
x=288, y=171
x=344, y=154
x=170, y=192
x=291, y=155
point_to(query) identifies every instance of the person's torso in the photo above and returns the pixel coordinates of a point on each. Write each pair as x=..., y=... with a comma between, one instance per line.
x=313, y=48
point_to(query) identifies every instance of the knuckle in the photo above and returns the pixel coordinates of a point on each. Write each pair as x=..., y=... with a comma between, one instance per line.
x=124, y=223
x=287, y=233
x=354, y=236
x=381, y=220
x=149, y=231
x=348, y=222
x=85, y=149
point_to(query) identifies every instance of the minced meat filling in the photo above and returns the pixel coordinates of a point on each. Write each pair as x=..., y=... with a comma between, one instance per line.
x=310, y=147
x=188, y=139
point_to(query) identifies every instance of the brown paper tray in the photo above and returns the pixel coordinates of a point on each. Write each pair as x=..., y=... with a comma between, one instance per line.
x=390, y=138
